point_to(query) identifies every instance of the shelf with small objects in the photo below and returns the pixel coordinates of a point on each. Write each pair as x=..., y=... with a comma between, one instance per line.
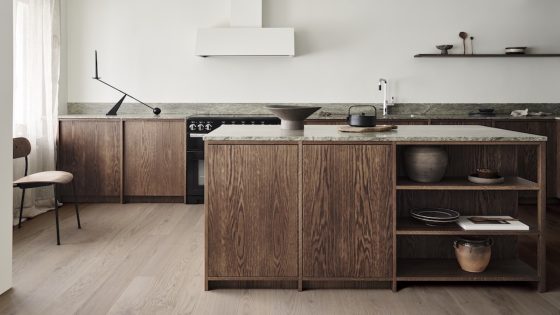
x=469, y=51
x=486, y=55
x=436, y=177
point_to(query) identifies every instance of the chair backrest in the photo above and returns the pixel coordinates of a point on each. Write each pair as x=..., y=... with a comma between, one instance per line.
x=22, y=148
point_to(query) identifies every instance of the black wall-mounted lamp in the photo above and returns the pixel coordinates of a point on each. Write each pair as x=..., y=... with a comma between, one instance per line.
x=115, y=108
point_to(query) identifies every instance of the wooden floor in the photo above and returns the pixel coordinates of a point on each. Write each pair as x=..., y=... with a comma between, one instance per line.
x=148, y=259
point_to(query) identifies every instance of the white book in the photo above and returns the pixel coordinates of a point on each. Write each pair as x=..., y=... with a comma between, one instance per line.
x=494, y=223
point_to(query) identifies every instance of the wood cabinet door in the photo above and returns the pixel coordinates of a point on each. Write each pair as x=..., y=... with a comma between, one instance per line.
x=347, y=211
x=154, y=158
x=91, y=151
x=252, y=210
x=527, y=156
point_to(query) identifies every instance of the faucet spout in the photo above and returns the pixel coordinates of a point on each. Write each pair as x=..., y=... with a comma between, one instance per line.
x=383, y=84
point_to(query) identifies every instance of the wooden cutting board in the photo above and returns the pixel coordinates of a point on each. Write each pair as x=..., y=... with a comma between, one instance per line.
x=378, y=128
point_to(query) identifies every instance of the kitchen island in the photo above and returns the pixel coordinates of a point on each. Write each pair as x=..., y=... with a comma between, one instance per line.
x=325, y=209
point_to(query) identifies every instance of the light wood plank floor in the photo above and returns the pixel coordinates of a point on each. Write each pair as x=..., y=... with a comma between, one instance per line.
x=148, y=259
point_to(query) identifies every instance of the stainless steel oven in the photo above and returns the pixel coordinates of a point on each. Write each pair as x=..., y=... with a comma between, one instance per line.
x=199, y=126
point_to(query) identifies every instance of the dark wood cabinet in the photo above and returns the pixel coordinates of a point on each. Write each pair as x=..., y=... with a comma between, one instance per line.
x=91, y=150
x=347, y=211
x=116, y=160
x=527, y=156
x=154, y=158
x=332, y=214
x=252, y=217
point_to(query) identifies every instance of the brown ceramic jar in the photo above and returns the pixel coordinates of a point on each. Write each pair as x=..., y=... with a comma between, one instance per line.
x=473, y=254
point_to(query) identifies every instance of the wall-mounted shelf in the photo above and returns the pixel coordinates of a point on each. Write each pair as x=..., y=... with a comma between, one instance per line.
x=485, y=56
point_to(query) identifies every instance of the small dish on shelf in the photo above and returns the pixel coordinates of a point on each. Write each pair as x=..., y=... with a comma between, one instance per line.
x=515, y=50
x=487, y=173
x=444, y=49
x=435, y=216
x=476, y=179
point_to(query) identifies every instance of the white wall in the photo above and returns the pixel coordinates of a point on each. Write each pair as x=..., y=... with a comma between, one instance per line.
x=343, y=48
x=6, y=66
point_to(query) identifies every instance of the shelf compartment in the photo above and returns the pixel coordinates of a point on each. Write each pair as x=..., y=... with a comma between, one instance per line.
x=408, y=226
x=511, y=183
x=449, y=270
x=486, y=56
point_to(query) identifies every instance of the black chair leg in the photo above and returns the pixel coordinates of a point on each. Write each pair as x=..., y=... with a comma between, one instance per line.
x=76, y=204
x=21, y=207
x=56, y=217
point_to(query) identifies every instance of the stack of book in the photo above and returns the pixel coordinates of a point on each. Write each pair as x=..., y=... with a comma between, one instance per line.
x=491, y=223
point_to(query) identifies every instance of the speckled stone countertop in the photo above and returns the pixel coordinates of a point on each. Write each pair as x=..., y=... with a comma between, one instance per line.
x=314, y=117
x=441, y=116
x=125, y=116
x=413, y=133
x=328, y=111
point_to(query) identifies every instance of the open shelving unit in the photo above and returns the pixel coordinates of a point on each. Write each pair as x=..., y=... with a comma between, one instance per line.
x=424, y=253
x=486, y=56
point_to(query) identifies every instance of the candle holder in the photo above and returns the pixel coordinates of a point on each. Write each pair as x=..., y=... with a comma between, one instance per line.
x=115, y=108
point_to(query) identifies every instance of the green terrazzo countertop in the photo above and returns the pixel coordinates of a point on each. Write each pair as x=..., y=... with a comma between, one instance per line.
x=413, y=133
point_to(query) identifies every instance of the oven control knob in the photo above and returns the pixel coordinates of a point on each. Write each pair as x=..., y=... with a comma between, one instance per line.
x=208, y=127
x=192, y=127
x=200, y=127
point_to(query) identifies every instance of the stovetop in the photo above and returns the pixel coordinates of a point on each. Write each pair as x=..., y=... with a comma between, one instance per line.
x=206, y=124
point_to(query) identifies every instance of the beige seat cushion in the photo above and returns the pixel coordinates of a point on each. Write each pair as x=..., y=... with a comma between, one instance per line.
x=50, y=177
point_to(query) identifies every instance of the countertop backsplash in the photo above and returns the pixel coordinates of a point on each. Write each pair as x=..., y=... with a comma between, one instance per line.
x=328, y=110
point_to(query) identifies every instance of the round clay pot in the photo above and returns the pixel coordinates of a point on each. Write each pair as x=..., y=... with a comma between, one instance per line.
x=473, y=254
x=425, y=164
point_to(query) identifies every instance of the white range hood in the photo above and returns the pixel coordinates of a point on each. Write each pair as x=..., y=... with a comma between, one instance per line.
x=246, y=36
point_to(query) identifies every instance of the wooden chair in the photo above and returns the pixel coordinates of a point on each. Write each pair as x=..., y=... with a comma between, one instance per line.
x=22, y=148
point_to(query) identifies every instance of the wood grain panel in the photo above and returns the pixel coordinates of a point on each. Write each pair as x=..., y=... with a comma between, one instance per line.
x=90, y=149
x=347, y=211
x=528, y=155
x=154, y=157
x=252, y=210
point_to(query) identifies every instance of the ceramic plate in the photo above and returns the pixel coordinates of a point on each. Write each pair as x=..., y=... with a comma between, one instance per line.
x=485, y=181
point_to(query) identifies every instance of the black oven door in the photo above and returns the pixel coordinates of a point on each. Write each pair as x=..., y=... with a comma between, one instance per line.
x=195, y=177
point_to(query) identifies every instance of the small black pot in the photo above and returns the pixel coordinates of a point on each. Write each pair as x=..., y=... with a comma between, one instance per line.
x=362, y=120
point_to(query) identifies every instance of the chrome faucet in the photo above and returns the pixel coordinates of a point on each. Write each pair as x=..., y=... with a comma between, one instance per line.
x=386, y=103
